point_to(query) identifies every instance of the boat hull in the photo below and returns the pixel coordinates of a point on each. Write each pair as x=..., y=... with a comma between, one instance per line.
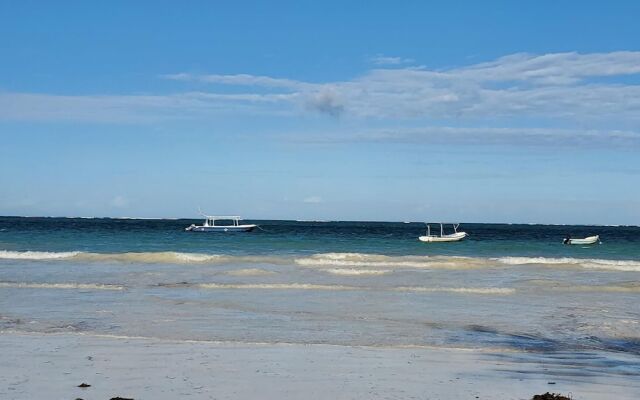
x=587, y=240
x=455, y=237
x=233, y=228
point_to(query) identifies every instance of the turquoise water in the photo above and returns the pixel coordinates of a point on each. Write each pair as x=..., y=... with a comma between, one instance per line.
x=510, y=287
x=289, y=237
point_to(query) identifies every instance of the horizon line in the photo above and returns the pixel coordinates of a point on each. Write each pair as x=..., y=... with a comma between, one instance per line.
x=315, y=220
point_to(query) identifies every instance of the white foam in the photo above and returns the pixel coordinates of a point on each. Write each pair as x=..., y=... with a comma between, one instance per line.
x=36, y=255
x=357, y=271
x=277, y=286
x=382, y=261
x=159, y=257
x=463, y=290
x=68, y=285
x=141, y=257
x=311, y=286
x=334, y=263
x=152, y=257
x=591, y=263
x=196, y=258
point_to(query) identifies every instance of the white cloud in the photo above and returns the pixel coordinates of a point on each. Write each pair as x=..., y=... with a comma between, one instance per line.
x=385, y=60
x=241, y=80
x=556, y=68
x=313, y=200
x=549, y=87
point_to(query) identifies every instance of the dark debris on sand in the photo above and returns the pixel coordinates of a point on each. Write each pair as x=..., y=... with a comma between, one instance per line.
x=120, y=398
x=550, y=396
x=84, y=385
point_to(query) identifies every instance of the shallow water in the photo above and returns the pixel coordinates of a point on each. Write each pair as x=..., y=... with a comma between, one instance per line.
x=513, y=287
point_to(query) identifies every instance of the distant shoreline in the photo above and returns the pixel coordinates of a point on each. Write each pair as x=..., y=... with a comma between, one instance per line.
x=319, y=221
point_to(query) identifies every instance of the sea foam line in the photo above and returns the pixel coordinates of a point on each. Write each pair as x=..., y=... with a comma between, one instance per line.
x=470, y=290
x=277, y=286
x=66, y=285
x=590, y=263
x=36, y=255
x=320, y=287
x=357, y=271
x=336, y=263
x=325, y=260
x=129, y=257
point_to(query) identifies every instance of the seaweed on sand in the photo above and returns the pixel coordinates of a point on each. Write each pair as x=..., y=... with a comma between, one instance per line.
x=550, y=396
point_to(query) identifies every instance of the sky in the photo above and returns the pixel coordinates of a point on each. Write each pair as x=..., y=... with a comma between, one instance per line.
x=497, y=111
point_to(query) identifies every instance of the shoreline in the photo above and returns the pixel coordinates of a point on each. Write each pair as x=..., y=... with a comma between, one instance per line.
x=144, y=368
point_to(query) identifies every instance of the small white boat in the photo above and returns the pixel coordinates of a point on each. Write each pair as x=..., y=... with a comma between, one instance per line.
x=587, y=240
x=442, y=237
x=211, y=226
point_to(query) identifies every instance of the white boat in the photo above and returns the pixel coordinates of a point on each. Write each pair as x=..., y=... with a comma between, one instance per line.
x=210, y=225
x=442, y=237
x=587, y=240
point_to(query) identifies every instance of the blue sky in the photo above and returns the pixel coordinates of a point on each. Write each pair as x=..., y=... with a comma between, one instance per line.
x=473, y=111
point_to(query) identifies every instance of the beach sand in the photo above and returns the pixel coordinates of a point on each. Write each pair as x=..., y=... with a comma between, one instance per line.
x=51, y=366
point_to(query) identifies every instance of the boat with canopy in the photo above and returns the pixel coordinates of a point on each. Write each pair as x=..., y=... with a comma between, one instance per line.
x=216, y=223
x=442, y=237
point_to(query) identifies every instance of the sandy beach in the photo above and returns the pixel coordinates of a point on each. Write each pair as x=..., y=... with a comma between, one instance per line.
x=36, y=366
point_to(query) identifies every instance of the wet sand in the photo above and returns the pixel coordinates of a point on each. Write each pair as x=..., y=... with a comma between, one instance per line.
x=51, y=366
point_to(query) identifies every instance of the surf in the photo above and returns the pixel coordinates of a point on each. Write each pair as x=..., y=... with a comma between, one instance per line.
x=333, y=263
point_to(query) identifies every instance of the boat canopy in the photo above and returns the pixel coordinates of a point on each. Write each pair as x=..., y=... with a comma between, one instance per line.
x=454, y=224
x=210, y=220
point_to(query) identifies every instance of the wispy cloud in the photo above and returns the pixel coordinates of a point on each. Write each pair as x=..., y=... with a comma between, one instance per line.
x=568, y=87
x=553, y=69
x=240, y=80
x=551, y=85
x=556, y=85
x=386, y=60
x=473, y=135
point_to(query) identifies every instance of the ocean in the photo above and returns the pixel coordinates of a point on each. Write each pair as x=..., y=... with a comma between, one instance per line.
x=507, y=287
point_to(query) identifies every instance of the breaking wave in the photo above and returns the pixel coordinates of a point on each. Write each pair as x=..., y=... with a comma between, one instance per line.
x=70, y=285
x=591, y=263
x=153, y=257
x=356, y=271
x=36, y=255
x=334, y=263
x=168, y=257
x=382, y=261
